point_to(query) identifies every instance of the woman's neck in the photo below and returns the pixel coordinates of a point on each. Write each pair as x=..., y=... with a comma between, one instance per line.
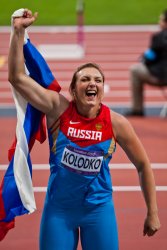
x=89, y=112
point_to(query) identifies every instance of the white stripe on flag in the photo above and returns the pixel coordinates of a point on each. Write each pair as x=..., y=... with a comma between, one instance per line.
x=20, y=164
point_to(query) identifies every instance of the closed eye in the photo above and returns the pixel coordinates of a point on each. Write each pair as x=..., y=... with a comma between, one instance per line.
x=99, y=80
x=85, y=79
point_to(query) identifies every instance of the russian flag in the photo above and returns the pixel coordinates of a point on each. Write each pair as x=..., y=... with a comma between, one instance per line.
x=16, y=190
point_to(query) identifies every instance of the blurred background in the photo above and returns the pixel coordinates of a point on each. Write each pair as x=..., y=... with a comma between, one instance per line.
x=106, y=12
x=113, y=34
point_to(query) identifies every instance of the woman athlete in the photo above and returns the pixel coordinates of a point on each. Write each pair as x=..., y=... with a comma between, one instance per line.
x=82, y=136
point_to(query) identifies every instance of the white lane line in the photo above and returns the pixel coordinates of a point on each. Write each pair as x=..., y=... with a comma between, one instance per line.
x=136, y=188
x=5, y=94
x=2, y=61
x=40, y=189
x=115, y=166
x=115, y=188
x=131, y=166
x=111, y=166
x=89, y=28
x=109, y=92
x=149, y=104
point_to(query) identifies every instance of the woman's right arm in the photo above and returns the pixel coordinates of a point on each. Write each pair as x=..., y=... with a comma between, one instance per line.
x=47, y=101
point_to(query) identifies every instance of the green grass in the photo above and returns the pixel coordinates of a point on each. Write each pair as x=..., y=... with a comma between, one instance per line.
x=97, y=12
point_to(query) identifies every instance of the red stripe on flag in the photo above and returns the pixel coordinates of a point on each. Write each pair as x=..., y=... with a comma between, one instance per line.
x=5, y=227
x=54, y=86
x=2, y=210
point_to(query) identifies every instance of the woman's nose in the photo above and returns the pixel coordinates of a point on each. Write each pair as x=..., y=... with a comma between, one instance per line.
x=92, y=83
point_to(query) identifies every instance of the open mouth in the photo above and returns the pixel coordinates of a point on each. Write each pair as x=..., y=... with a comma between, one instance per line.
x=91, y=93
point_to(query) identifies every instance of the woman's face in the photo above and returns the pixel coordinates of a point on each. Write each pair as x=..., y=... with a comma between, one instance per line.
x=89, y=88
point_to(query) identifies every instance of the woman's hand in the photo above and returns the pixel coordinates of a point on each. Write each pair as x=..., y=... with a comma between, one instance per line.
x=151, y=224
x=24, y=21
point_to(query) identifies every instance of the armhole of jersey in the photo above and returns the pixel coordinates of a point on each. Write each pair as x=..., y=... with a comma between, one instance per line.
x=112, y=127
x=67, y=110
x=53, y=124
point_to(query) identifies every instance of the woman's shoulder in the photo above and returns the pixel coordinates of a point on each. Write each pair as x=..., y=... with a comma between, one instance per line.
x=59, y=111
x=117, y=117
x=119, y=122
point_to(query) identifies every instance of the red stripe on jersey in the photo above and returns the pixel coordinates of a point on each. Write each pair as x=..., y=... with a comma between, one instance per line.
x=84, y=131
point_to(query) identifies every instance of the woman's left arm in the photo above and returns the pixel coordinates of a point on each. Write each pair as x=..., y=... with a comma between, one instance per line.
x=130, y=143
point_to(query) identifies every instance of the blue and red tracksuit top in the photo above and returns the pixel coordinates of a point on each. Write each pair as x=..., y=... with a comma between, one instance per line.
x=80, y=151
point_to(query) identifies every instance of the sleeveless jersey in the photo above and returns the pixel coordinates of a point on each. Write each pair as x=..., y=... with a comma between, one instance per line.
x=80, y=151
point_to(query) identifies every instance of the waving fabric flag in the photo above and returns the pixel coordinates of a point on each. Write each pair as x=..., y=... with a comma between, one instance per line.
x=16, y=191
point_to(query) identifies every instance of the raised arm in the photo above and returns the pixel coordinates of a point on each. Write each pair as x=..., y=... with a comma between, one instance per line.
x=130, y=143
x=47, y=101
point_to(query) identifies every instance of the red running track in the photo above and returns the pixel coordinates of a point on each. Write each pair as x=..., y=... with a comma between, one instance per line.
x=130, y=208
x=116, y=52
